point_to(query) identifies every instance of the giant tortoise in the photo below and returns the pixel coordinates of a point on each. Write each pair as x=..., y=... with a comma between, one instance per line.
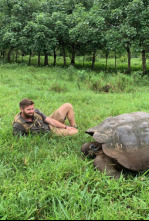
x=121, y=142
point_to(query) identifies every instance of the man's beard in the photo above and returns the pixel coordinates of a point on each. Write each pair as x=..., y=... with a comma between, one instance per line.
x=27, y=116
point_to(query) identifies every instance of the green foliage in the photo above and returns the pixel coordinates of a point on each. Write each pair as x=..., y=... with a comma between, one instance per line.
x=71, y=73
x=57, y=87
x=116, y=83
x=119, y=83
x=82, y=76
x=123, y=59
x=74, y=27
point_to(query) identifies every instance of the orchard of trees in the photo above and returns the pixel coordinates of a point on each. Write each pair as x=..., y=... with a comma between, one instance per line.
x=74, y=27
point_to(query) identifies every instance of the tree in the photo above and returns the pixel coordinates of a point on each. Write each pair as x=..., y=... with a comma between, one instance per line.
x=113, y=43
x=76, y=26
x=119, y=32
x=138, y=19
x=61, y=31
x=44, y=38
x=73, y=23
x=87, y=30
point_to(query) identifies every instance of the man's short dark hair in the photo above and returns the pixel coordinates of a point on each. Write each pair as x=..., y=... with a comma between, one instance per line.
x=25, y=103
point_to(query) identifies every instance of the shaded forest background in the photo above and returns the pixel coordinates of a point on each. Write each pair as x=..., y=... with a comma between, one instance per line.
x=71, y=28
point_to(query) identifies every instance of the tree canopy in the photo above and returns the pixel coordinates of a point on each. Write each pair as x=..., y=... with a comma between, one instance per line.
x=74, y=27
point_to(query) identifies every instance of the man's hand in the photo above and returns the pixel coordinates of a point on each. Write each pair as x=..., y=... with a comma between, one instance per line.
x=71, y=128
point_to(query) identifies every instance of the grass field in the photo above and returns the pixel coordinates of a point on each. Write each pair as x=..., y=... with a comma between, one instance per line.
x=46, y=177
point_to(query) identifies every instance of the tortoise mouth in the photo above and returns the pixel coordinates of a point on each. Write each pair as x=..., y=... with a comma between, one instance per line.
x=90, y=133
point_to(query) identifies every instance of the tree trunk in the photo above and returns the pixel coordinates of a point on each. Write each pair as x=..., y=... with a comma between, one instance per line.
x=115, y=62
x=39, y=59
x=54, y=58
x=22, y=57
x=83, y=60
x=46, y=60
x=64, y=56
x=107, y=54
x=144, y=61
x=73, y=54
x=13, y=57
x=9, y=55
x=16, y=56
x=30, y=56
x=129, y=57
x=3, y=54
x=94, y=59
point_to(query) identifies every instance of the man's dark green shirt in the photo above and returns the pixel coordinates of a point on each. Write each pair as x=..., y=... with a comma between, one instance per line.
x=43, y=127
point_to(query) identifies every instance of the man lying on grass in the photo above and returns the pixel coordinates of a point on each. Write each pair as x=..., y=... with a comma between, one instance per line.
x=31, y=120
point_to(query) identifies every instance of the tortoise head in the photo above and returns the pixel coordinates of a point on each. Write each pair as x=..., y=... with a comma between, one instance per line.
x=91, y=149
x=94, y=148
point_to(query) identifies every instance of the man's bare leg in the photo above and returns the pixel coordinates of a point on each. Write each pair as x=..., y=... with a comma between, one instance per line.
x=66, y=110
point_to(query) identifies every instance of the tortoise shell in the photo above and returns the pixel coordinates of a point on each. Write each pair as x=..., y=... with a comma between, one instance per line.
x=125, y=138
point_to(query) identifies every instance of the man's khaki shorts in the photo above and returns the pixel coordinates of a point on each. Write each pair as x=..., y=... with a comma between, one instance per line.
x=57, y=116
x=60, y=131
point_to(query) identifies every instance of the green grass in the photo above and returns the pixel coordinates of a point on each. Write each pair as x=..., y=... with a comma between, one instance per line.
x=46, y=177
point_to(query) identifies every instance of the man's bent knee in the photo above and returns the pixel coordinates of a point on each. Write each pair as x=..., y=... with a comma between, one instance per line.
x=68, y=106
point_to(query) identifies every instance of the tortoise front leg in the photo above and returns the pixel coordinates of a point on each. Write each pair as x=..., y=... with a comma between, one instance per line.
x=105, y=164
